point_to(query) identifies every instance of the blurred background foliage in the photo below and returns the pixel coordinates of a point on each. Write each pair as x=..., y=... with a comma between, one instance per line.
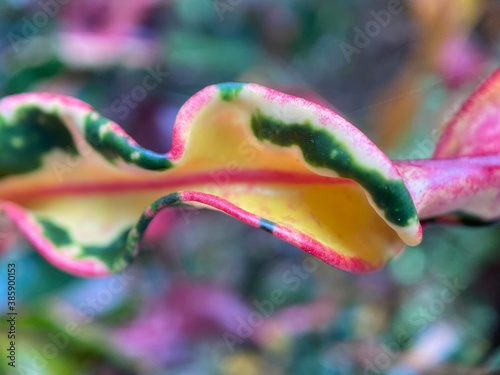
x=209, y=295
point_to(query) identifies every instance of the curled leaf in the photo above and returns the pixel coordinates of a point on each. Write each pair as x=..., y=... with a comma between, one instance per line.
x=461, y=182
x=475, y=128
x=83, y=192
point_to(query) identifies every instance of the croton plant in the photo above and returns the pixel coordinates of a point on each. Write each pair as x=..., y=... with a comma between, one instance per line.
x=83, y=192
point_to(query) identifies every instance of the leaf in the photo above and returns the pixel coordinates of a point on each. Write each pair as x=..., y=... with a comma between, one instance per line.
x=475, y=128
x=83, y=192
x=460, y=183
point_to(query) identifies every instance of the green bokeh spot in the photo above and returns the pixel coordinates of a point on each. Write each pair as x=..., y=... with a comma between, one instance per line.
x=409, y=267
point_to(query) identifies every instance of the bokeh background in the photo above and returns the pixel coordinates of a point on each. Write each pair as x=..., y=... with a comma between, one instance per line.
x=209, y=295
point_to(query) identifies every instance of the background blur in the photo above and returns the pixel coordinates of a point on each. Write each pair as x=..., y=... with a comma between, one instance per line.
x=209, y=295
